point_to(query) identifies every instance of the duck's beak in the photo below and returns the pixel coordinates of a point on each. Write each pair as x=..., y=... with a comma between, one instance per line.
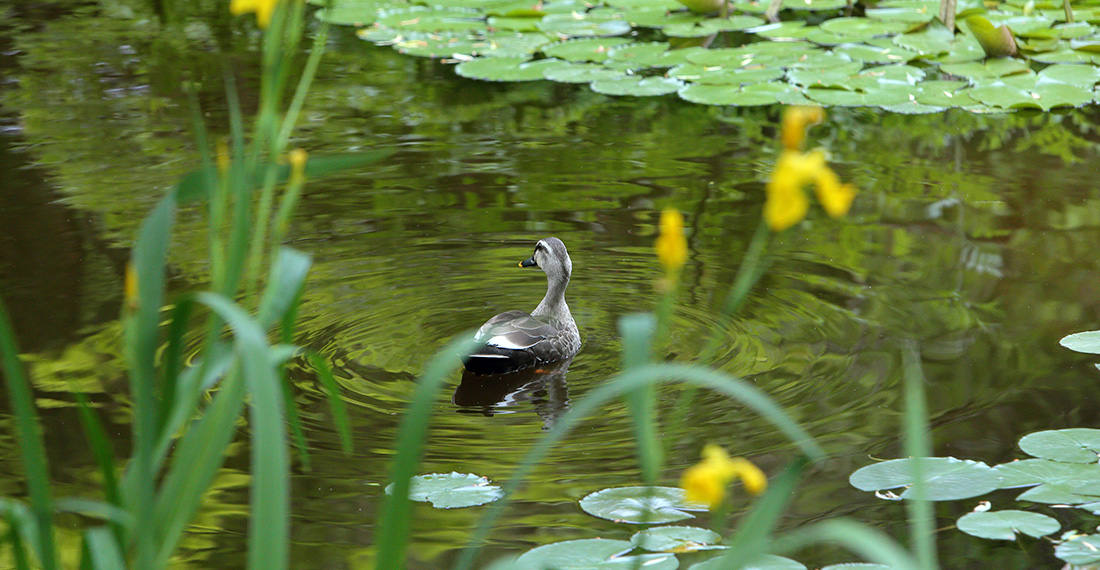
x=529, y=262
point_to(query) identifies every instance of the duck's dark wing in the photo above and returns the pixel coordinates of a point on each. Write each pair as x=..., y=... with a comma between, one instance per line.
x=511, y=341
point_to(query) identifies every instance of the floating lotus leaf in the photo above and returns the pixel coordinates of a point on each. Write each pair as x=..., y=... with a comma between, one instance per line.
x=513, y=24
x=452, y=490
x=1030, y=472
x=1059, y=494
x=640, y=505
x=860, y=29
x=838, y=77
x=793, y=29
x=1087, y=342
x=1019, y=24
x=594, y=49
x=1084, y=76
x=441, y=47
x=352, y=12
x=1066, y=55
x=666, y=5
x=591, y=554
x=864, y=98
x=1016, y=94
x=566, y=72
x=504, y=68
x=857, y=566
x=652, y=54
x=721, y=76
x=1034, y=46
x=759, y=53
x=823, y=38
x=1076, y=445
x=946, y=478
x=379, y=35
x=888, y=75
x=945, y=94
x=763, y=562
x=747, y=96
x=875, y=54
x=913, y=108
x=910, y=12
x=637, y=86
x=816, y=60
x=814, y=4
x=1074, y=30
x=1004, y=525
x=659, y=17
x=1081, y=550
x=507, y=8
x=503, y=44
x=676, y=539
x=963, y=49
x=933, y=39
x=419, y=18
x=711, y=26
x=994, y=68
x=586, y=24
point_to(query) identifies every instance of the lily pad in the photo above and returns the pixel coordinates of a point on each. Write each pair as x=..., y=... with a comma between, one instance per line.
x=1030, y=472
x=583, y=24
x=1080, y=550
x=1087, y=342
x=1076, y=445
x=1060, y=494
x=676, y=539
x=856, y=566
x=451, y=490
x=504, y=68
x=1004, y=525
x=764, y=562
x=592, y=554
x=566, y=72
x=593, y=49
x=863, y=28
x=640, y=505
x=946, y=478
x=746, y=96
x=637, y=86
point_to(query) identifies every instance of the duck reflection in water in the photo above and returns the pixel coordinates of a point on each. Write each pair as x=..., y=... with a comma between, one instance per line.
x=542, y=386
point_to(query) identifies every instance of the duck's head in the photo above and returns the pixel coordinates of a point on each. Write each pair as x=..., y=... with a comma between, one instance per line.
x=552, y=257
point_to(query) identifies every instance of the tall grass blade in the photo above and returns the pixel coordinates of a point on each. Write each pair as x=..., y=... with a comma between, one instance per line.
x=173, y=359
x=335, y=404
x=637, y=333
x=101, y=550
x=32, y=449
x=870, y=544
x=149, y=259
x=626, y=381
x=269, y=495
x=918, y=445
x=22, y=531
x=288, y=275
x=393, y=525
x=104, y=457
x=754, y=533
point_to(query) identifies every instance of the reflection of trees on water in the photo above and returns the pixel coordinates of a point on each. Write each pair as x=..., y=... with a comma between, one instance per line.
x=542, y=386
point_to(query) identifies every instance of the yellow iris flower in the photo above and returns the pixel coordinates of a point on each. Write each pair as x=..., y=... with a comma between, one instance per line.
x=787, y=203
x=706, y=481
x=263, y=9
x=671, y=244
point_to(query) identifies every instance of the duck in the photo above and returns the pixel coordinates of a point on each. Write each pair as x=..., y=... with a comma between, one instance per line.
x=515, y=340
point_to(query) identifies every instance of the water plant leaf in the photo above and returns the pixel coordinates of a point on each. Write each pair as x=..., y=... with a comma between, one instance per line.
x=566, y=72
x=583, y=24
x=504, y=68
x=933, y=39
x=856, y=566
x=764, y=562
x=1060, y=493
x=747, y=96
x=1075, y=445
x=1029, y=472
x=591, y=49
x=640, y=505
x=859, y=29
x=451, y=490
x=592, y=554
x=947, y=478
x=676, y=539
x=1004, y=525
x=1087, y=342
x=637, y=86
x=997, y=41
x=1081, y=550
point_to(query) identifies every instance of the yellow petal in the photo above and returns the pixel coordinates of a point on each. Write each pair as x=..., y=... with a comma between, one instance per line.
x=786, y=203
x=262, y=8
x=796, y=120
x=671, y=244
x=751, y=476
x=835, y=197
x=702, y=485
x=297, y=158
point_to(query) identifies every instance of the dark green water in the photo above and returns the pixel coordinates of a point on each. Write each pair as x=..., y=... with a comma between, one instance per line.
x=974, y=235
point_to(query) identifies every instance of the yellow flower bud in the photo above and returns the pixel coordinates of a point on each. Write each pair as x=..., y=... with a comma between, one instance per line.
x=706, y=481
x=130, y=287
x=796, y=120
x=297, y=158
x=671, y=244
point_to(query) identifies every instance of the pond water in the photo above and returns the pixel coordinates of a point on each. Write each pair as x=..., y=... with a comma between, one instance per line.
x=973, y=235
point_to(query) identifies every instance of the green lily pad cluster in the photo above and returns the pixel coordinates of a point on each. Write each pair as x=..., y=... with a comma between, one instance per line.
x=897, y=57
x=1064, y=469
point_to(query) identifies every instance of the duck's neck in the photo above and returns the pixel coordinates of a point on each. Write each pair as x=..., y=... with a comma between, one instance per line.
x=553, y=304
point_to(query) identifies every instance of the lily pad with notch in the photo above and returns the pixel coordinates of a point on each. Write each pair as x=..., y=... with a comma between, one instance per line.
x=677, y=539
x=946, y=478
x=1075, y=445
x=1006, y=525
x=640, y=505
x=504, y=68
x=451, y=490
x=637, y=86
x=592, y=554
x=762, y=562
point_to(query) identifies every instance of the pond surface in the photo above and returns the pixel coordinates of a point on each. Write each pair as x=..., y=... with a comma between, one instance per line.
x=974, y=235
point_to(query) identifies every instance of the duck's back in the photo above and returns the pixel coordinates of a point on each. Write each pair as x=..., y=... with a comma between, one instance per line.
x=514, y=340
